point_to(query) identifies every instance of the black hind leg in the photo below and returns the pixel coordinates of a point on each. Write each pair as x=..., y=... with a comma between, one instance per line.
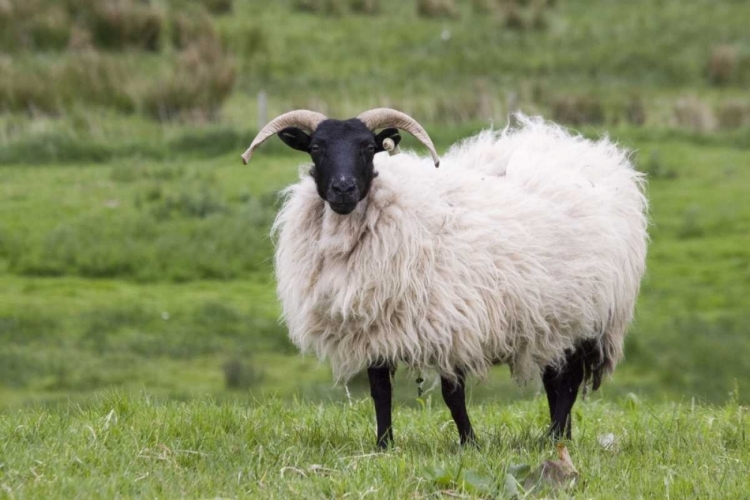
x=549, y=378
x=562, y=390
x=454, y=395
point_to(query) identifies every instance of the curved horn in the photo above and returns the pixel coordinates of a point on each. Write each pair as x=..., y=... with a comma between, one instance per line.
x=302, y=118
x=387, y=117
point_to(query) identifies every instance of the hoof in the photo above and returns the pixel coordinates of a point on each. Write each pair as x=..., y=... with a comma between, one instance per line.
x=384, y=443
x=470, y=441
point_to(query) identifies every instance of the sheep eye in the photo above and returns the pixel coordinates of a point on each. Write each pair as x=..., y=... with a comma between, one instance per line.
x=315, y=148
x=370, y=148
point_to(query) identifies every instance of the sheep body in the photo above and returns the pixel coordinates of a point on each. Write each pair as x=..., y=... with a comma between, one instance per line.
x=524, y=243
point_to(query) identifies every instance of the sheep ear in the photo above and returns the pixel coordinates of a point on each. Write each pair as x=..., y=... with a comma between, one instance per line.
x=295, y=138
x=389, y=133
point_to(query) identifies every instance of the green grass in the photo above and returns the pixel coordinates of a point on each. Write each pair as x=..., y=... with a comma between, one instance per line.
x=122, y=446
x=134, y=248
x=442, y=70
x=92, y=257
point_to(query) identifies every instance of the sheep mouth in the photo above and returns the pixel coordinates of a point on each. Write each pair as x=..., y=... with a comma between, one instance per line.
x=343, y=208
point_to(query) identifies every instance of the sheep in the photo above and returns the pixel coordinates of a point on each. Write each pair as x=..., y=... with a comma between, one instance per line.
x=526, y=248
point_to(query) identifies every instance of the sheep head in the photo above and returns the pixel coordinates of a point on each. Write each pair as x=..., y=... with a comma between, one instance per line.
x=342, y=151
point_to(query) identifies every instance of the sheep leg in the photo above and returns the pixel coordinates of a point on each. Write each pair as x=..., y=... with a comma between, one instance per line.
x=562, y=389
x=454, y=395
x=549, y=379
x=382, y=396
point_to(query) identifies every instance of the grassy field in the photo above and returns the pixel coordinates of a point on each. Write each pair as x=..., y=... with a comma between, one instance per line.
x=122, y=446
x=140, y=348
x=584, y=62
x=155, y=275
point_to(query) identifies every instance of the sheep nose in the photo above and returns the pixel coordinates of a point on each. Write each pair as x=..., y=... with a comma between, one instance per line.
x=344, y=187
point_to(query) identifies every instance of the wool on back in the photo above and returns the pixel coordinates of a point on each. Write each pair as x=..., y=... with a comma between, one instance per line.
x=522, y=244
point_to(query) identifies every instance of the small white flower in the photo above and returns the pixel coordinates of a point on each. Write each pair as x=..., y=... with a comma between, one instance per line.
x=165, y=315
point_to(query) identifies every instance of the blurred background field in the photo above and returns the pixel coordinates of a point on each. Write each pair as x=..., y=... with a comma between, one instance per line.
x=134, y=247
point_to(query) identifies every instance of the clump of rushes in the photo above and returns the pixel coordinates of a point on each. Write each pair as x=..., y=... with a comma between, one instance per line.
x=328, y=7
x=635, y=110
x=189, y=27
x=117, y=24
x=722, y=64
x=693, y=114
x=218, y=6
x=49, y=89
x=519, y=15
x=369, y=7
x=734, y=113
x=484, y=6
x=437, y=8
x=202, y=78
x=30, y=25
x=578, y=110
x=47, y=24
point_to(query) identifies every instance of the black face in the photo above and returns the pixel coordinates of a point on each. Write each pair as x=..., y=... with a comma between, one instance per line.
x=342, y=152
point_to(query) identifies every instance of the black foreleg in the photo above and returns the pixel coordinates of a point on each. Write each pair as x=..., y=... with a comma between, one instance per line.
x=382, y=396
x=562, y=390
x=549, y=378
x=454, y=395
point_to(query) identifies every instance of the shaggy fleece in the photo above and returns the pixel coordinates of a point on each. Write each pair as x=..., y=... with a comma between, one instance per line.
x=523, y=243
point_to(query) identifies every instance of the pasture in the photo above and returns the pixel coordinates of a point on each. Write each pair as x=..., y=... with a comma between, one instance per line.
x=141, y=352
x=156, y=275
x=125, y=446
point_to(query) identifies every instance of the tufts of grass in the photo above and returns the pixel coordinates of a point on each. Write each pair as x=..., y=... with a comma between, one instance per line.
x=141, y=446
x=728, y=64
x=209, y=142
x=635, y=111
x=218, y=6
x=435, y=9
x=67, y=147
x=521, y=15
x=734, y=114
x=191, y=26
x=105, y=344
x=50, y=89
x=241, y=374
x=87, y=145
x=310, y=6
x=694, y=114
x=513, y=18
x=722, y=64
x=578, y=110
x=109, y=24
x=198, y=98
x=120, y=24
x=333, y=8
x=84, y=74
x=368, y=7
x=98, y=76
x=27, y=25
x=184, y=233
x=188, y=204
x=483, y=7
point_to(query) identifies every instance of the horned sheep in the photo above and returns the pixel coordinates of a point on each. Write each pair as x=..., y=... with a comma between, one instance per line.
x=526, y=247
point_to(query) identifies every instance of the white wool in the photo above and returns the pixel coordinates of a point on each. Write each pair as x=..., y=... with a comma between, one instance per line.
x=523, y=243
